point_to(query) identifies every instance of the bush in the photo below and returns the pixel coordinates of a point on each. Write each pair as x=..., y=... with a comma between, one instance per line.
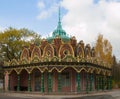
x=113, y=84
x=119, y=84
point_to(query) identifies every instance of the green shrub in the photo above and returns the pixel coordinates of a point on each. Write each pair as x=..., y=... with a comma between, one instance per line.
x=113, y=84
x=119, y=84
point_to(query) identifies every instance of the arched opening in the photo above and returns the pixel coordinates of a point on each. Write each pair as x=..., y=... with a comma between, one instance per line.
x=36, y=80
x=83, y=80
x=68, y=80
x=54, y=80
x=46, y=81
x=95, y=81
x=102, y=80
x=13, y=81
x=23, y=80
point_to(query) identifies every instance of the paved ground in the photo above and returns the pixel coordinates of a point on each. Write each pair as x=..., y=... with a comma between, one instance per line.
x=86, y=97
x=115, y=94
x=94, y=97
x=21, y=97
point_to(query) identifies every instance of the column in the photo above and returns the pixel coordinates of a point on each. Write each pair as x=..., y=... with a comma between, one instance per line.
x=29, y=82
x=18, y=83
x=59, y=82
x=49, y=82
x=8, y=82
x=42, y=82
x=78, y=82
x=97, y=83
x=107, y=83
x=104, y=82
x=103, y=85
x=100, y=82
x=4, y=82
x=87, y=82
x=110, y=82
x=91, y=80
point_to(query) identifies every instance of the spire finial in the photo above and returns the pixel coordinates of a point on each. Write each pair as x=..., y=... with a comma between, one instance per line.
x=59, y=14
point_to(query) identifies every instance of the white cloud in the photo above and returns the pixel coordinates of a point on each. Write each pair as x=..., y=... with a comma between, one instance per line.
x=41, y=5
x=86, y=20
x=43, y=15
x=47, y=11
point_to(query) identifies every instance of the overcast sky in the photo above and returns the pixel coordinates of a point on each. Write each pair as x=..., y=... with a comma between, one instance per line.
x=84, y=19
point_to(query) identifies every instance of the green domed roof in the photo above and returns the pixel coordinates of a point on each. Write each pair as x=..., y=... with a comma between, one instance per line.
x=59, y=32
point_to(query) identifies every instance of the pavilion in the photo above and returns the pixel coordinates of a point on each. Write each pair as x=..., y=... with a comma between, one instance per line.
x=58, y=65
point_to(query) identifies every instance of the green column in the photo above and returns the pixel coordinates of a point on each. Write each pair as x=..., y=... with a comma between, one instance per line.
x=100, y=82
x=8, y=82
x=29, y=82
x=103, y=83
x=78, y=82
x=110, y=82
x=42, y=82
x=59, y=82
x=49, y=82
x=87, y=82
x=18, y=83
x=91, y=80
x=107, y=82
x=97, y=83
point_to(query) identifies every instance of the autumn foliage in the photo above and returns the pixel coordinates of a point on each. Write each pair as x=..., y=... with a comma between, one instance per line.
x=104, y=49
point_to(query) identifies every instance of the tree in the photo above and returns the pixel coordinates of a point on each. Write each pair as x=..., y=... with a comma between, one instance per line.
x=115, y=69
x=12, y=41
x=104, y=49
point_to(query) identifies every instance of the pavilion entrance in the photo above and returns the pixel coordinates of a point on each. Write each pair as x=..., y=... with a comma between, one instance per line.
x=37, y=80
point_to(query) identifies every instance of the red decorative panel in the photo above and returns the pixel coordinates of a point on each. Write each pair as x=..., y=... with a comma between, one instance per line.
x=48, y=51
x=25, y=54
x=80, y=51
x=36, y=52
x=66, y=49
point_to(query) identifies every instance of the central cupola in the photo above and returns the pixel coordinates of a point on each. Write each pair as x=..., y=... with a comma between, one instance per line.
x=59, y=32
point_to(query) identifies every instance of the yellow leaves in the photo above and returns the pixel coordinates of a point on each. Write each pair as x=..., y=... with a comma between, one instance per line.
x=103, y=49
